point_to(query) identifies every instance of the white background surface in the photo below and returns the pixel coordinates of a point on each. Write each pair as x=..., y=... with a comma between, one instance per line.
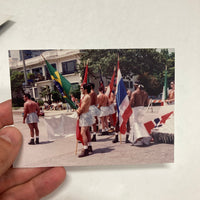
x=72, y=24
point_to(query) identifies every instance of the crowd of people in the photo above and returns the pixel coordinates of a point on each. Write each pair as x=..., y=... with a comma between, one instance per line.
x=100, y=110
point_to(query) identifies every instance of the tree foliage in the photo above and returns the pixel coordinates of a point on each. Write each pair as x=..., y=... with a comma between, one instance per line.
x=17, y=79
x=147, y=64
x=45, y=93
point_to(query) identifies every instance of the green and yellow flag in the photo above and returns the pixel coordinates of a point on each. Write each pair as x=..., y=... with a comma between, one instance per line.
x=61, y=83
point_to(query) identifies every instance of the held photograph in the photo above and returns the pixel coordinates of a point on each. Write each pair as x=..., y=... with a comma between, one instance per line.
x=93, y=107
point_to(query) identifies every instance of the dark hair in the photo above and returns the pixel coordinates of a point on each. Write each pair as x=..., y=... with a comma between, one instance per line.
x=92, y=85
x=87, y=87
x=27, y=95
x=101, y=89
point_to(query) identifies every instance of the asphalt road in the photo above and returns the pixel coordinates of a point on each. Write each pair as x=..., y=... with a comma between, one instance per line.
x=61, y=152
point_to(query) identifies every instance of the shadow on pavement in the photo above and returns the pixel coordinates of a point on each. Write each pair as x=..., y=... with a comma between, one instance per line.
x=46, y=142
x=103, y=150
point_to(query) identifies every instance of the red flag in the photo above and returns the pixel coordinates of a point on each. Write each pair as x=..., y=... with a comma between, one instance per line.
x=86, y=74
x=78, y=130
x=165, y=117
x=114, y=119
x=149, y=125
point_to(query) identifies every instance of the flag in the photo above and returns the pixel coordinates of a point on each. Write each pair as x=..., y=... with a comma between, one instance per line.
x=110, y=87
x=101, y=84
x=78, y=132
x=86, y=77
x=149, y=126
x=123, y=106
x=165, y=93
x=157, y=122
x=61, y=83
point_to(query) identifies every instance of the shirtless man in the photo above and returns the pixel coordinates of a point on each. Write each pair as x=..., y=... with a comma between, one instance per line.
x=139, y=99
x=31, y=116
x=103, y=105
x=112, y=110
x=171, y=96
x=85, y=120
x=94, y=110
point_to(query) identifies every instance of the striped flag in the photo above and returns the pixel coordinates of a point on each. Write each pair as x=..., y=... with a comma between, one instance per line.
x=123, y=105
x=157, y=122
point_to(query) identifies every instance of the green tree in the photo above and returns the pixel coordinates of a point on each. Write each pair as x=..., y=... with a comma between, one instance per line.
x=149, y=63
x=17, y=79
x=45, y=93
x=56, y=96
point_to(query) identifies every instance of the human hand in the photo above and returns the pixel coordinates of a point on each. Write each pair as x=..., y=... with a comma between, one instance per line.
x=22, y=184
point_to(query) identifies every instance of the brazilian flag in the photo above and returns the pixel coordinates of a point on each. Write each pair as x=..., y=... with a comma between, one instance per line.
x=61, y=83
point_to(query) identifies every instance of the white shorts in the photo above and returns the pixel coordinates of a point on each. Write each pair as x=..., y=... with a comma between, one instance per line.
x=105, y=111
x=94, y=111
x=112, y=109
x=32, y=118
x=86, y=119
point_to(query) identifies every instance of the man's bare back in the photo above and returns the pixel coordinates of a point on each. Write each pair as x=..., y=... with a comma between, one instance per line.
x=31, y=107
x=102, y=100
x=93, y=98
x=139, y=98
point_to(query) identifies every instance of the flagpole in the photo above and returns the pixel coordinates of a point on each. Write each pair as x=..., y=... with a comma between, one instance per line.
x=76, y=147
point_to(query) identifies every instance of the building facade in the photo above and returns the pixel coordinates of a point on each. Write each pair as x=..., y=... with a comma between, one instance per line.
x=64, y=61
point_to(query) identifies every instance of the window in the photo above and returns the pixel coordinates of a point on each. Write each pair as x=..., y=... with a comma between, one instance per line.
x=47, y=74
x=69, y=67
x=38, y=74
x=37, y=71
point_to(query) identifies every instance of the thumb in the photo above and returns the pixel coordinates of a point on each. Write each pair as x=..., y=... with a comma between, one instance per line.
x=10, y=144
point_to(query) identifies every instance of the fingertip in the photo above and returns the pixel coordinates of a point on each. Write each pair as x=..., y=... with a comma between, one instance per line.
x=10, y=144
x=13, y=134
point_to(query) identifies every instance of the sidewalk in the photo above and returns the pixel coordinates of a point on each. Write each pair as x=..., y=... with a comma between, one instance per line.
x=62, y=151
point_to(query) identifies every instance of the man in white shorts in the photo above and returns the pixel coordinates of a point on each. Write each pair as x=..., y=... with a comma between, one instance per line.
x=94, y=110
x=31, y=116
x=139, y=99
x=85, y=120
x=103, y=105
